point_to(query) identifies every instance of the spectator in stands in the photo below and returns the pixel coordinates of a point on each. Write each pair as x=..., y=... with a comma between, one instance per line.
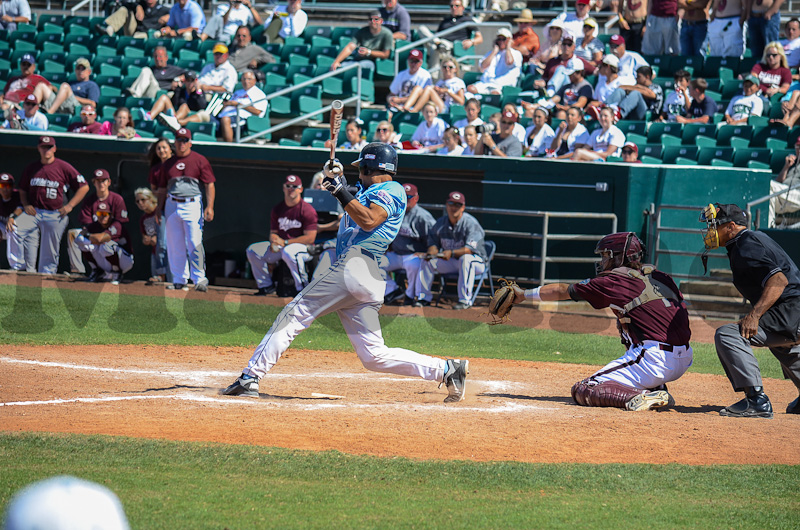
x=502, y=143
x=413, y=77
x=384, y=133
x=396, y=19
x=501, y=66
x=430, y=131
x=135, y=21
x=573, y=22
x=369, y=43
x=28, y=82
x=773, y=72
x=28, y=117
x=786, y=206
x=551, y=48
x=791, y=107
x=607, y=82
x=447, y=90
x=452, y=143
x=13, y=12
x=468, y=36
x=630, y=153
x=577, y=93
x=88, y=123
x=791, y=44
x=186, y=20
x=286, y=21
x=661, y=34
x=603, y=142
x=763, y=24
x=525, y=40
x=246, y=55
x=70, y=96
x=159, y=152
x=678, y=101
x=186, y=97
x=629, y=62
x=590, y=48
x=570, y=132
x=230, y=17
x=123, y=125
x=219, y=76
x=519, y=130
x=694, y=25
x=355, y=139
x=149, y=223
x=632, y=16
x=726, y=28
x=539, y=136
x=471, y=140
x=247, y=101
x=702, y=108
x=160, y=77
x=473, y=109
x=631, y=102
x=749, y=104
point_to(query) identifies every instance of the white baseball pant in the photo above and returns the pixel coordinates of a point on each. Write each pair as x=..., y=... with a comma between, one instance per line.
x=74, y=252
x=647, y=366
x=50, y=227
x=467, y=267
x=295, y=255
x=102, y=252
x=185, y=239
x=410, y=263
x=15, y=249
x=353, y=288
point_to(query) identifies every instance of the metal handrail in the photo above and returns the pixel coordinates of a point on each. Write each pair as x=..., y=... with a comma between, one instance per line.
x=74, y=9
x=764, y=199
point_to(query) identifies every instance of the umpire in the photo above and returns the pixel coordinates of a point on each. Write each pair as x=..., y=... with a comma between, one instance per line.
x=769, y=279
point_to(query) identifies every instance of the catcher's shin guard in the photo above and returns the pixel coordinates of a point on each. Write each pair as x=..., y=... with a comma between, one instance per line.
x=590, y=393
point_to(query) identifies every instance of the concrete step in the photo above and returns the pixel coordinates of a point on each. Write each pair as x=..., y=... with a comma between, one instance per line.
x=712, y=288
x=721, y=274
x=709, y=305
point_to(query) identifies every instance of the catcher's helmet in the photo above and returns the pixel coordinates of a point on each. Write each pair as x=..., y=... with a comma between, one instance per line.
x=378, y=155
x=622, y=248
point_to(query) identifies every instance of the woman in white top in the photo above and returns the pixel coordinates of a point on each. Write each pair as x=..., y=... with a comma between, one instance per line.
x=518, y=131
x=604, y=142
x=429, y=133
x=452, y=143
x=473, y=109
x=385, y=134
x=471, y=138
x=448, y=90
x=551, y=48
x=570, y=132
x=539, y=136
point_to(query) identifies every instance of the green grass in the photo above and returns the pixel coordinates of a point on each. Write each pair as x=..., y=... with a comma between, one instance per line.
x=200, y=485
x=64, y=316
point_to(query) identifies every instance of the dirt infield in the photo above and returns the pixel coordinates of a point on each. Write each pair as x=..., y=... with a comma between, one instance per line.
x=326, y=400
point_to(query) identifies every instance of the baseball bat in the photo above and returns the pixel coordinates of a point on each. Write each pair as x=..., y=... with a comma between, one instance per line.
x=337, y=109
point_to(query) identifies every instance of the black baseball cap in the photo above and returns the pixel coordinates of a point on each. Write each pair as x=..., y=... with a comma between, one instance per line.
x=731, y=212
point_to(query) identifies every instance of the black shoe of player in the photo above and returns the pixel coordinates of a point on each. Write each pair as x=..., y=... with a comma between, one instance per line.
x=264, y=291
x=392, y=297
x=421, y=303
x=756, y=404
x=794, y=407
x=95, y=276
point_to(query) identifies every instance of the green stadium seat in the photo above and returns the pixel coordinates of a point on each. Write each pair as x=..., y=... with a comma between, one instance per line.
x=59, y=119
x=638, y=139
x=370, y=115
x=108, y=80
x=318, y=31
x=145, y=103
x=305, y=69
x=310, y=134
x=487, y=111
x=778, y=159
x=758, y=121
x=406, y=117
x=705, y=141
x=287, y=142
x=458, y=112
x=652, y=150
x=632, y=126
x=202, y=128
x=256, y=125
x=706, y=155
x=124, y=42
x=663, y=62
x=190, y=64
x=681, y=161
x=296, y=49
x=668, y=139
x=761, y=134
x=22, y=35
x=51, y=66
x=693, y=62
x=138, y=62
x=275, y=68
x=42, y=38
x=201, y=137
x=107, y=69
x=647, y=159
x=747, y=63
x=342, y=31
x=319, y=41
x=734, y=135
x=151, y=44
x=715, y=96
x=743, y=156
x=693, y=130
x=106, y=90
x=713, y=66
x=55, y=20
x=84, y=40
x=112, y=101
x=367, y=88
x=187, y=54
x=658, y=129
x=731, y=89
x=672, y=152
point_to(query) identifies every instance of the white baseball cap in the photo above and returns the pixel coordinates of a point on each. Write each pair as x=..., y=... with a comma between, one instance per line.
x=611, y=60
x=574, y=65
x=504, y=32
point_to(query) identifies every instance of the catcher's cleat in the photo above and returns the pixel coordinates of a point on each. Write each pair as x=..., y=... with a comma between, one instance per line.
x=246, y=385
x=455, y=377
x=650, y=401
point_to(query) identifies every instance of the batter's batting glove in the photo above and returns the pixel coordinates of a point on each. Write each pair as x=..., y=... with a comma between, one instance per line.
x=335, y=182
x=333, y=168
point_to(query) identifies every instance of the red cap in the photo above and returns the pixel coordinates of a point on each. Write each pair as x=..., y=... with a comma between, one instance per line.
x=184, y=133
x=103, y=207
x=583, y=2
x=47, y=140
x=30, y=98
x=411, y=190
x=101, y=174
x=294, y=180
x=457, y=196
x=616, y=40
x=415, y=55
x=510, y=116
x=6, y=178
x=797, y=142
x=632, y=146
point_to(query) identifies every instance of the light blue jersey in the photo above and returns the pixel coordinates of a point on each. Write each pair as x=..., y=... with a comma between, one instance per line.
x=391, y=197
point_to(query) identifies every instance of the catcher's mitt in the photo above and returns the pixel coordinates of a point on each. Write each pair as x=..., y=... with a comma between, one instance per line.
x=503, y=300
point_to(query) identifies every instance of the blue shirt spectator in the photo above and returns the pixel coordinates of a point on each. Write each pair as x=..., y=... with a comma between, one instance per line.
x=185, y=16
x=13, y=12
x=396, y=19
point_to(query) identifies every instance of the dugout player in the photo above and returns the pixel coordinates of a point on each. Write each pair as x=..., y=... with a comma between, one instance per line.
x=179, y=191
x=293, y=226
x=455, y=244
x=408, y=248
x=352, y=286
x=10, y=212
x=770, y=280
x=652, y=320
x=42, y=190
x=103, y=194
x=106, y=245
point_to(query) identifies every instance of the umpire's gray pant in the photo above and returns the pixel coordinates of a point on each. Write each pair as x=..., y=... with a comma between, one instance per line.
x=736, y=355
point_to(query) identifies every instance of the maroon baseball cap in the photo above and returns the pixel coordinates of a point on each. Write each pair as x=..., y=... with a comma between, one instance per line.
x=616, y=40
x=510, y=116
x=47, y=140
x=103, y=207
x=583, y=2
x=457, y=196
x=411, y=190
x=797, y=142
x=101, y=174
x=415, y=55
x=293, y=180
x=183, y=132
x=631, y=145
x=30, y=98
x=6, y=178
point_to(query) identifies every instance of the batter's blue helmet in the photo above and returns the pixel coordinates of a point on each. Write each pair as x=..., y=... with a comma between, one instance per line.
x=378, y=155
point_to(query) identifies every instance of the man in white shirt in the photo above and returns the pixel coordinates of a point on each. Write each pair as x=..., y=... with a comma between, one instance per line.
x=249, y=100
x=749, y=104
x=573, y=22
x=791, y=44
x=227, y=19
x=286, y=21
x=501, y=66
x=629, y=62
x=678, y=101
x=608, y=81
x=405, y=81
x=29, y=117
x=221, y=75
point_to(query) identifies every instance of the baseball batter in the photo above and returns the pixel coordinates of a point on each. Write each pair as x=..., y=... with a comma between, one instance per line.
x=352, y=286
x=42, y=190
x=179, y=190
x=106, y=246
x=408, y=248
x=455, y=245
x=11, y=213
x=652, y=319
x=293, y=227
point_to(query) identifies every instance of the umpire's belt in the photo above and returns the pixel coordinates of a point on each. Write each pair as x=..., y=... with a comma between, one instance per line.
x=184, y=199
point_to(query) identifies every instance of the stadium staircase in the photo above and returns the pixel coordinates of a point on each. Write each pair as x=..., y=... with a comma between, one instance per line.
x=715, y=297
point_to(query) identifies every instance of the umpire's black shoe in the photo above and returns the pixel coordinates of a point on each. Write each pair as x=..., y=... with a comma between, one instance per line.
x=408, y=301
x=95, y=276
x=421, y=303
x=755, y=405
x=392, y=297
x=794, y=407
x=264, y=291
